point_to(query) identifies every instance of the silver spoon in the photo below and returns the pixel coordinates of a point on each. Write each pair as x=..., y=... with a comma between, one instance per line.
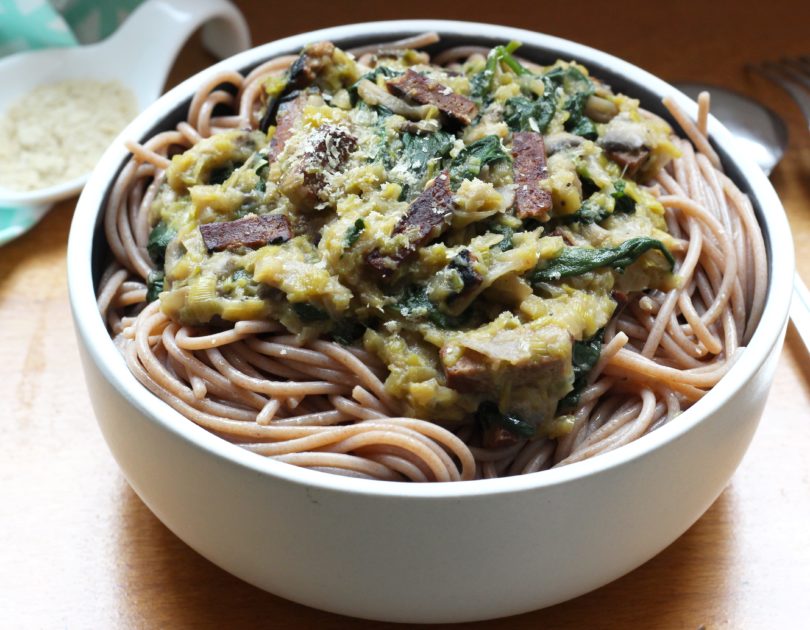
x=762, y=134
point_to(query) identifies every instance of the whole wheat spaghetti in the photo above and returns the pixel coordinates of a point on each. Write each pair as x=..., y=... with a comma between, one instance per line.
x=330, y=406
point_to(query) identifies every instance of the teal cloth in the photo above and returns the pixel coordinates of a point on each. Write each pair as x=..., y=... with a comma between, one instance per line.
x=15, y=222
x=32, y=24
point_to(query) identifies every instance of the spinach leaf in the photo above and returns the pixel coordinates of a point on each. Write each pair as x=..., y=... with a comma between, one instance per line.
x=261, y=167
x=380, y=71
x=589, y=212
x=155, y=282
x=384, y=71
x=570, y=79
x=308, y=313
x=418, y=151
x=160, y=236
x=415, y=304
x=383, y=153
x=219, y=175
x=574, y=261
x=507, y=232
x=347, y=331
x=443, y=320
x=353, y=233
x=579, y=88
x=488, y=415
x=578, y=123
x=481, y=82
x=584, y=356
x=523, y=114
x=583, y=126
x=588, y=186
x=624, y=202
x=472, y=158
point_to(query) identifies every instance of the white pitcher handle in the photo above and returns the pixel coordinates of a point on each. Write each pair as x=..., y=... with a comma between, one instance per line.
x=158, y=29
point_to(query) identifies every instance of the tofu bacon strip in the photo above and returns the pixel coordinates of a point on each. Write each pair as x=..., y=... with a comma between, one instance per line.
x=427, y=217
x=529, y=153
x=422, y=90
x=306, y=178
x=251, y=231
x=289, y=111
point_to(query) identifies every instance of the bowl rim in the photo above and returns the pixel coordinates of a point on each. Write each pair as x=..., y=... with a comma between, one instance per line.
x=90, y=327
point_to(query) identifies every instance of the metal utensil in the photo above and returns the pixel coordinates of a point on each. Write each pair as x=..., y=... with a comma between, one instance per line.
x=763, y=134
x=792, y=75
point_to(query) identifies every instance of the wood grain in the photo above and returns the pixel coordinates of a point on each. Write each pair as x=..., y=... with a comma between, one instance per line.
x=79, y=550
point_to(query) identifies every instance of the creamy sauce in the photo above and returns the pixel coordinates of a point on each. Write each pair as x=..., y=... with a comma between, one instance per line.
x=459, y=320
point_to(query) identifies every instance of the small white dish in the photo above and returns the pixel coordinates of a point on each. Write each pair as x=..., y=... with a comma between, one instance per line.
x=139, y=55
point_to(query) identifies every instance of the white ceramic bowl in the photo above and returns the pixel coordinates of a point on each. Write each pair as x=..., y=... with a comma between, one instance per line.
x=427, y=553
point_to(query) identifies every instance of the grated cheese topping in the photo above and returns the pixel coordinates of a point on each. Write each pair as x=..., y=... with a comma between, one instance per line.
x=58, y=131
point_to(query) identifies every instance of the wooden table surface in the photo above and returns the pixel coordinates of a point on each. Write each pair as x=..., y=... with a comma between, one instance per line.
x=78, y=549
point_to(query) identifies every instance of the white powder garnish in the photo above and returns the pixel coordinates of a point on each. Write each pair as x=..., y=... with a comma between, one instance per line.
x=58, y=131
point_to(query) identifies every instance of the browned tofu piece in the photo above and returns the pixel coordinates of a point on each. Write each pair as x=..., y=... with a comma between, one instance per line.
x=251, y=231
x=425, y=91
x=470, y=373
x=518, y=356
x=530, y=169
x=289, y=111
x=305, y=179
x=426, y=218
x=476, y=373
x=386, y=264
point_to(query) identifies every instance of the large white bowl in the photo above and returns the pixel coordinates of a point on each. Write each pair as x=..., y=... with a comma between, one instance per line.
x=426, y=553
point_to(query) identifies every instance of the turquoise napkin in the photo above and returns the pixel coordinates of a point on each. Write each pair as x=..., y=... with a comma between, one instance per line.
x=15, y=222
x=32, y=24
x=29, y=25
